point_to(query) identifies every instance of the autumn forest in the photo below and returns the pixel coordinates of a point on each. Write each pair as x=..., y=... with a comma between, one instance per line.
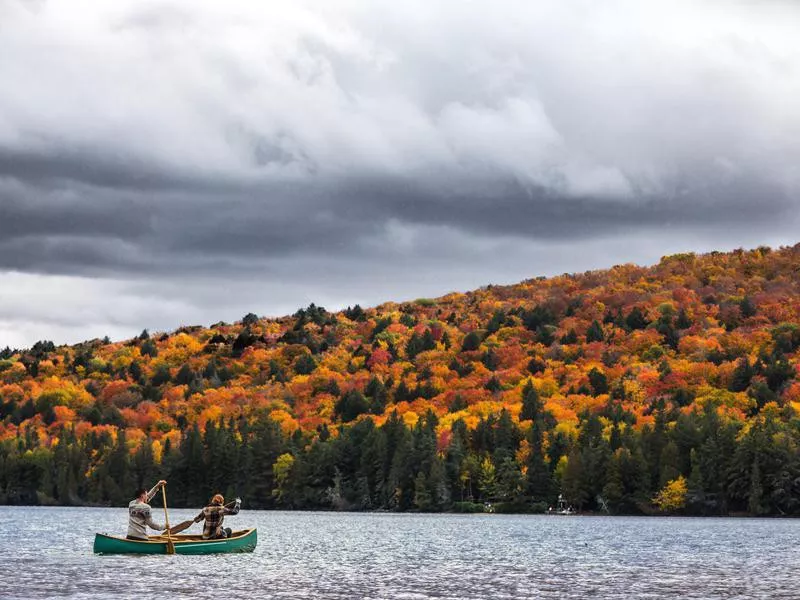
x=670, y=389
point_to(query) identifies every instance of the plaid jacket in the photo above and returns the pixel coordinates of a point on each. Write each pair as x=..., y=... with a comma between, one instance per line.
x=214, y=515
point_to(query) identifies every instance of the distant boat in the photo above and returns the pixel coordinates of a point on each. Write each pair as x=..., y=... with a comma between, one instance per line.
x=562, y=508
x=240, y=541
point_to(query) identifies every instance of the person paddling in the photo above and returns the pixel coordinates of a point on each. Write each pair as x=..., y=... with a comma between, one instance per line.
x=139, y=516
x=214, y=515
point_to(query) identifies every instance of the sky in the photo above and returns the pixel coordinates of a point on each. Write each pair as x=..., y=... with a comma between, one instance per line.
x=186, y=162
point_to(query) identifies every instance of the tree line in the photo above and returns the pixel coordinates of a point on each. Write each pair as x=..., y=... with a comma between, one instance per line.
x=700, y=462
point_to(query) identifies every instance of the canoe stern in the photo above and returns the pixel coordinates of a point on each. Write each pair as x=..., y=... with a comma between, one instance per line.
x=109, y=544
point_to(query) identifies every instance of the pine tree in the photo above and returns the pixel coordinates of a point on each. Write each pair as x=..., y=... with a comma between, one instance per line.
x=351, y=405
x=598, y=381
x=531, y=404
x=471, y=342
x=305, y=364
x=742, y=374
x=755, y=500
x=594, y=333
x=539, y=481
x=636, y=320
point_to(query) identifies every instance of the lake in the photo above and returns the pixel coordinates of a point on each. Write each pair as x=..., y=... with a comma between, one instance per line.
x=47, y=553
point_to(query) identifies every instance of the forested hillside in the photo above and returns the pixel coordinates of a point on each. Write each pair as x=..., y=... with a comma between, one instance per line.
x=671, y=388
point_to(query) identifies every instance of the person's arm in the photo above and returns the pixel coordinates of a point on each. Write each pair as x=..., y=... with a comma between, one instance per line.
x=152, y=524
x=235, y=509
x=156, y=487
x=200, y=517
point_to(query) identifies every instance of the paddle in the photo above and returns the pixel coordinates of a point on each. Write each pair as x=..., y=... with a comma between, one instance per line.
x=181, y=526
x=186, y=524
x=170, y=545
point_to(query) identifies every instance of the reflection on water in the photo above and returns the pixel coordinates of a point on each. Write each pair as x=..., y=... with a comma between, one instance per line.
x=47, y=553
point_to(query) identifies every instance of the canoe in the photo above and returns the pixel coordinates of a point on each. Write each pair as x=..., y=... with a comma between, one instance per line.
x=240, y=541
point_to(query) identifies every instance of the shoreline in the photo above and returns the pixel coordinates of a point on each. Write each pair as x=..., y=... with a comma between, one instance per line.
x=442, y=512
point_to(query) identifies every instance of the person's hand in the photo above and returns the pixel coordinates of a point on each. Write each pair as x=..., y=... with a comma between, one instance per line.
x=162, y=483
x=238, y=500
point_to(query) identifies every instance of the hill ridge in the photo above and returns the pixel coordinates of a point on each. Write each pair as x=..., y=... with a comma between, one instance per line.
x=525, y=380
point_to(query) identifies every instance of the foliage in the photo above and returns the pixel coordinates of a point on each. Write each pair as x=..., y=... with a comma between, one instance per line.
x=609, y=387
x=672, y=496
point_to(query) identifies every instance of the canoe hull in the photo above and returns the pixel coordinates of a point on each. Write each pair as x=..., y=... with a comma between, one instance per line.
x=240, y=541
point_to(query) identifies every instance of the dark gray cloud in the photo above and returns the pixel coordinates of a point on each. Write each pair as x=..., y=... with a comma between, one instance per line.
x=151, y=156
x=111, y=233
x=59, y=165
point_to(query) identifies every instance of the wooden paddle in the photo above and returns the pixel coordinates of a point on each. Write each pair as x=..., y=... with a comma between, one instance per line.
x=170, y=545
x=182, y=526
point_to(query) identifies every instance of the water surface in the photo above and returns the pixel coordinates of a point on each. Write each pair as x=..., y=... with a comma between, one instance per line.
x=47, y=553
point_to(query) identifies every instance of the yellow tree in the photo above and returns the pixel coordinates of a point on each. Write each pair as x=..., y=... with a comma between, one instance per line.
x=281, y=469
x=672, y=496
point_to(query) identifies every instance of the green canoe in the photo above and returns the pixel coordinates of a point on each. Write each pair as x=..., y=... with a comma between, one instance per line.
x=240, y=541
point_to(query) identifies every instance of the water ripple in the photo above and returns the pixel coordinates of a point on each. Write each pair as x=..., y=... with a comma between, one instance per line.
x=46, y=553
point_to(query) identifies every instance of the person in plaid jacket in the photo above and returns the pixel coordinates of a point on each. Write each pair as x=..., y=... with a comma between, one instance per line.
x=214, y=514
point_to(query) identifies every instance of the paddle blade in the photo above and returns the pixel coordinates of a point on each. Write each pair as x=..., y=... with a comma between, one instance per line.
x=180, y=527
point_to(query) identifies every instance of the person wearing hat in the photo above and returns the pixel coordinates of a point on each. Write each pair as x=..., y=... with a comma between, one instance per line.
x=214, y=515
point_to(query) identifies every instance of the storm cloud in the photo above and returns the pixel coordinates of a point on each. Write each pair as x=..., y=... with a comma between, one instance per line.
x=167, y=163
